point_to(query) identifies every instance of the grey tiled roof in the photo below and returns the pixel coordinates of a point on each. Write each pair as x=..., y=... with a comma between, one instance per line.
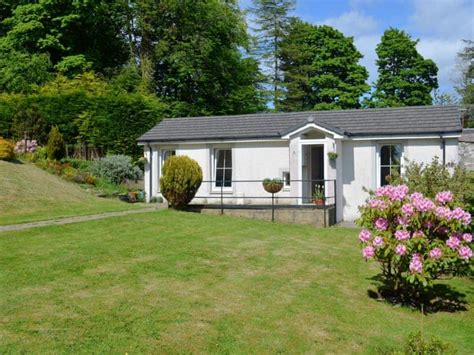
x=467, y=135
x=364, y=122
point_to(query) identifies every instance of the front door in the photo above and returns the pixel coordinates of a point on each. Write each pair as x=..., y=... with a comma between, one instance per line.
x=317, y=167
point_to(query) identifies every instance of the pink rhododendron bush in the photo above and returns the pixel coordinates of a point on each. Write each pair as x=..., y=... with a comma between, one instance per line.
x=414, y=238
x=29, y=146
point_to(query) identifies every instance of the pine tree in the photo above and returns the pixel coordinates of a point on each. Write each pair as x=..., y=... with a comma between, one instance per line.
x=272, y=21
x=405, y=77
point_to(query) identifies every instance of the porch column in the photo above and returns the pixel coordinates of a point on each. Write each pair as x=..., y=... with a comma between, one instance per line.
x=155, y=171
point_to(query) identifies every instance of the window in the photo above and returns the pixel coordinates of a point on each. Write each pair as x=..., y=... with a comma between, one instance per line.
x=286, y=179
x=390, y=158
x=223, y=166
x=166, y=155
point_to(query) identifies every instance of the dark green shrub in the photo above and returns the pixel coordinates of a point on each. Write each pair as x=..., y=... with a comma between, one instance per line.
x=180, y=180
x=116, y=169
x=55, y=146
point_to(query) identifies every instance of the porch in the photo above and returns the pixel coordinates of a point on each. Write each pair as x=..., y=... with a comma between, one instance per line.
x=281, y=206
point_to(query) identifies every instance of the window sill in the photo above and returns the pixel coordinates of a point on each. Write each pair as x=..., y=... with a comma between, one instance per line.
x=224, y=191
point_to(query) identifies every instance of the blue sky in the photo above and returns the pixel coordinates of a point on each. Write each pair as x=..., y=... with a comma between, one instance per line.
x=440, y=25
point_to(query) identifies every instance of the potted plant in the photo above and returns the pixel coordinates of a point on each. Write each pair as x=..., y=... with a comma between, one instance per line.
x=332, y=156
x=318, y=195
x=272, y=185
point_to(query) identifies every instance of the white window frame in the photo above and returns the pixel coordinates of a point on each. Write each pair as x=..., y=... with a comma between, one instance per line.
x=227, y=189
x=286, y=185
x=163, y=153
x=379, y=160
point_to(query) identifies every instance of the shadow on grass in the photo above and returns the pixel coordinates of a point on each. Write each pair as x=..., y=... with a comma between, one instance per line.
x=15, y=161
x=439, y=298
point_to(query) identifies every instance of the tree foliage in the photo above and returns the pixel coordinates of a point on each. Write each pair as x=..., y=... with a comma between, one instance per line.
x=71, y=36
x=321, y=69
x=465, y=87
x=193, y=53
x=405, y=77
x=55, y=146
x=272, y=20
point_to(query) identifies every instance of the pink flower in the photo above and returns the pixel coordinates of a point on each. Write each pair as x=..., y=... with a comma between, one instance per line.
x=444, y=197
x=364, y=235
x=453, y=242
x=403, y=221
x=443, y=213
x=378, y=242
x=416, y=196
x=368, y=252
x=459, y=214
x=467, y=218
x=394, y=193
x=423, y=204
x=402, y=234
x=416, y=265
x=381, y=224
x=378, y=204
x=465, y=252
x=467, y=237
x=407, y=209
x=400, y=249
x=436, y=253
x=418, y=234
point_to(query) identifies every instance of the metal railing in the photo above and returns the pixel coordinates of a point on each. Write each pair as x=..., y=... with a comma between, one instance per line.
x=232, y=194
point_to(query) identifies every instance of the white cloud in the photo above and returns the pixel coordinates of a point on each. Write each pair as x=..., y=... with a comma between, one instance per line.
x=444, y=18
x=366, y=45
x=353, y=23
x=443, y=52
x=441, y=25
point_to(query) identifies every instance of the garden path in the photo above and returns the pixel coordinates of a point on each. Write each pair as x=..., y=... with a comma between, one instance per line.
x=75, y=219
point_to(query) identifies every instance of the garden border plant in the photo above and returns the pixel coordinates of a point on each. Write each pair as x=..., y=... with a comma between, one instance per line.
x=415, y=239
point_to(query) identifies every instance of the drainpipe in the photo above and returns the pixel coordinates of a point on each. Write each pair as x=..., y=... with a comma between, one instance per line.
x=443, y=147
x=150, y=172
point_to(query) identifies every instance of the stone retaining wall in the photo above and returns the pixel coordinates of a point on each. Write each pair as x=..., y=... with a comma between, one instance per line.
x=299, y=215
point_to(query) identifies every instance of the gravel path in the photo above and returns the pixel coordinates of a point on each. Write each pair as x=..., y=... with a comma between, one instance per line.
x=73, y=219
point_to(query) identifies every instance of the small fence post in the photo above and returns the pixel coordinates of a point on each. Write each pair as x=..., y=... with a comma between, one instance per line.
x=335, y=201
x=273, y=207
x=222, y=197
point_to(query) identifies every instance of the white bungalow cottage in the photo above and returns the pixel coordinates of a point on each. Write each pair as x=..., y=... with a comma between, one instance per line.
x=237, y=152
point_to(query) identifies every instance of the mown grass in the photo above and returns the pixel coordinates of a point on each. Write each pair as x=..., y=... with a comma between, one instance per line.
x=28, y=194
x=180, y=282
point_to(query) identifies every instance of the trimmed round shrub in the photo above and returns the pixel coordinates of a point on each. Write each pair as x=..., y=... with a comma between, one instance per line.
x=116, y=169
x=7, y=149
x=55, y=146
x=414, y=238
x=181, y=178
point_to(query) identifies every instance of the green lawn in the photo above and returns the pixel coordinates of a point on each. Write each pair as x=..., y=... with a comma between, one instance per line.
x=180, y=282
x=28, y=193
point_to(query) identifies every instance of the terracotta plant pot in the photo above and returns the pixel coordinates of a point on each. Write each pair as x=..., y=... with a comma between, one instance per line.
x=318, y=202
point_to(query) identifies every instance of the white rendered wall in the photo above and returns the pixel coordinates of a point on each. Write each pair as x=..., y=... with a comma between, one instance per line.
x=360, y=165
x=358, y=171
x=250, y=161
